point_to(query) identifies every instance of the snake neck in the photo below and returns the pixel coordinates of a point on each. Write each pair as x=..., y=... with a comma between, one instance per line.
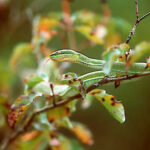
x=94, y=63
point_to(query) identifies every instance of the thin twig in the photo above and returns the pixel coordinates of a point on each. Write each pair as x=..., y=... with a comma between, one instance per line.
x=106, y=80
x=137, y=9
x=138, y=20
x=144, y=16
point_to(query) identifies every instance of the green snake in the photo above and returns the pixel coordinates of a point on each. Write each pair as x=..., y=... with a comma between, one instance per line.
x=68, y=55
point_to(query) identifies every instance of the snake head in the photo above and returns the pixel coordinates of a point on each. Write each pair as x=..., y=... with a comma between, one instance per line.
x=66, y=55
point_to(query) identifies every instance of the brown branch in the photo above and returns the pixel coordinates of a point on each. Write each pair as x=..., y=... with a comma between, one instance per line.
x=109, y=80
x=106, y=80
x=144, y=16
x=138, y=20
x=137, y=9
x=53, y=95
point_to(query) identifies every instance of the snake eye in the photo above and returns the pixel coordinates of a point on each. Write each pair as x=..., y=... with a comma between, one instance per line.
x=54, y=55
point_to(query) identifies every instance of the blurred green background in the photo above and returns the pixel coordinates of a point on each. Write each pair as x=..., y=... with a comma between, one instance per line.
x=16, y=27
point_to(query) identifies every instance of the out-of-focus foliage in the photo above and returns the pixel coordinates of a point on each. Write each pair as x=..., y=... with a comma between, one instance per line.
x=41, y=81
x=141, y=50
x=91, y=26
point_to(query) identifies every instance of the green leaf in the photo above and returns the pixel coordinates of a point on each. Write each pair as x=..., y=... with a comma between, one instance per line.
x=61, y=89
x=63, y=143
x=64, y=122
x=114, y=107
x=118, y=30
x=58, y=113
x=85, y=17
x=140, y=50
x=43, y=123
x=112, y=54
x=119, y=25
x=48, y=69
x=44, y=29
x=87, y=31
x=44, y=88
x=21, y=105
x=82, y=132
x=76, y=145
x=32, y=81
x=112, y=39
x=70, y=79
x=32, y=140
x=20, y=51
x=110, y=58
